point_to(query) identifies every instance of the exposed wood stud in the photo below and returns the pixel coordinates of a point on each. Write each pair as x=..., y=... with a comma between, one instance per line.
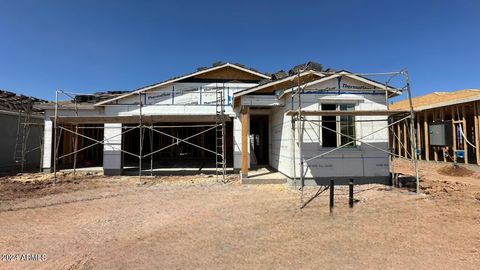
x=405, y=142
x=464, y=129
x=454, y=135
x=476, y=107
x=442, y=118
x=425, y=130
x=419, y=136
x=435, y=148
x=399, y=147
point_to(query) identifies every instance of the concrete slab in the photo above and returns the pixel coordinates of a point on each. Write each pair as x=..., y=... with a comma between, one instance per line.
x=264, y=175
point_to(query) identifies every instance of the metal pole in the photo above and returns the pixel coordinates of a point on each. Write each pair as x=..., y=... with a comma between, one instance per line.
x=412, y=135
x=140, y=138
x=294, y=160
x=332, y=194
x=300, y=136
x=55, y=127
x=75, y=146
x=41, y=150
x=151, y=149
x=350, y=193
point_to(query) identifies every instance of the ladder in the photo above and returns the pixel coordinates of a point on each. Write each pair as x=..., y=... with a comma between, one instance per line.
x=220, y=162
x=23, y=130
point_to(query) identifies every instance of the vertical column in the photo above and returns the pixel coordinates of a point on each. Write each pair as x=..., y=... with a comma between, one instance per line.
x=476, y=107
x=112, y=154
x=425, y=134
x=419, y=136
x=464, y=130
x=405, y=142
x=442, y=117
x=435, y=148
x=47, y=146
x=454, y=135
x=245, y=116
x=399, y=146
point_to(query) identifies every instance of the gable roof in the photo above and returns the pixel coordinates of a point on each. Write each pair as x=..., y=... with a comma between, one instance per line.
x=320, y=77
x=279, y=84
x=201, y=74
x=438, y=99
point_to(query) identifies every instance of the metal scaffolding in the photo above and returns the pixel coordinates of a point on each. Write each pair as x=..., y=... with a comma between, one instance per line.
x=24, y=125
x=143, y=123
x=299, y=119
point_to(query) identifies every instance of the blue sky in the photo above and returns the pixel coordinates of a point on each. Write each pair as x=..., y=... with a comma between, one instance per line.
x=88, y=46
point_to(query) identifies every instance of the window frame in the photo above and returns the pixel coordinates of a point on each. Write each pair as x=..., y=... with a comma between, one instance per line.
x=338, y=125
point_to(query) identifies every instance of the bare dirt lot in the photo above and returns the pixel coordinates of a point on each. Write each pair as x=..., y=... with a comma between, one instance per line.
x=193, y=222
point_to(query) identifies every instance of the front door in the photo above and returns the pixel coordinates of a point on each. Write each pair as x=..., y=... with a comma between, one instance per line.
x=259, y=139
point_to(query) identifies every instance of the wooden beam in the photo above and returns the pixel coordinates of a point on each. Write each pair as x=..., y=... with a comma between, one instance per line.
x=435, y=148
x=464, y=129
x=399, y=146
x=476, y=108
x=405, y=144
x=425, y=133
x=419, y=135
x=454, y=135
x=442, y=117
x=244, y=142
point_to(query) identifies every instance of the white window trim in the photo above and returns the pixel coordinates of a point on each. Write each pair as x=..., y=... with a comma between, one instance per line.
x=337, y=104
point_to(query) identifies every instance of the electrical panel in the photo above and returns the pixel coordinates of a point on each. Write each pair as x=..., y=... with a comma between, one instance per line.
x=440, y=133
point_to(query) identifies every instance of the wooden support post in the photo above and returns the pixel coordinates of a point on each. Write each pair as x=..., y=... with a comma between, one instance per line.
x=454, y=135
x=464, y=129
x=442, y=117
x=244, y=142
x=435, y=148
x=405, y=142
x=419, y=136
x=476, y=109
x=399, y=146
x=425, y=133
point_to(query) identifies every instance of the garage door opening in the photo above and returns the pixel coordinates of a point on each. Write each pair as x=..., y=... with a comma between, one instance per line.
x=188, y=148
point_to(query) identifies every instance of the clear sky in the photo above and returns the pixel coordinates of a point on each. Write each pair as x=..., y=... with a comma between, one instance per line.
x=88, y=46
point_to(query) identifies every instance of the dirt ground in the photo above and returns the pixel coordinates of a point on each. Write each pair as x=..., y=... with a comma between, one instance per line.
x=193, y=222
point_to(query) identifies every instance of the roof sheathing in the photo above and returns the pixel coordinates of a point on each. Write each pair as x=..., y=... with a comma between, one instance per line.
x=438, y=99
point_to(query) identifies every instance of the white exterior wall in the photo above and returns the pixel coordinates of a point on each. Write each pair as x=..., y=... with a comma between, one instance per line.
x=281, y=150
x=112, y=154
x=360, y=161
x=47, y=146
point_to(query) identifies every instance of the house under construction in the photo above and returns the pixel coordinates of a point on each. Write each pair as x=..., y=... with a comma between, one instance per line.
x=447, y=127
x=309, y=124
